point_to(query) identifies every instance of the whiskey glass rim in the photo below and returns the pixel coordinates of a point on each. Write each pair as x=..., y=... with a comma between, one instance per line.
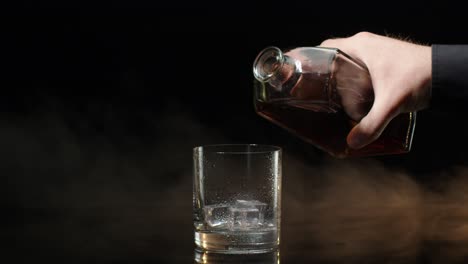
x=244, y=149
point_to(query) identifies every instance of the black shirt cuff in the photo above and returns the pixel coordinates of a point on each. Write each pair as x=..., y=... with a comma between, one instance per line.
x=449, y=76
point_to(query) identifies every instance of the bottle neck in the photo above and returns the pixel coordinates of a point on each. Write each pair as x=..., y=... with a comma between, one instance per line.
x=287, y=77
x=280, y=71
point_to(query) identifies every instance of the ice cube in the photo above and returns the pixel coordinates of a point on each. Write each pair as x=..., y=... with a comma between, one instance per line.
x=244, y=218
x=261, y=207
x=246, y=214
x=251, y=203
x=217, y=215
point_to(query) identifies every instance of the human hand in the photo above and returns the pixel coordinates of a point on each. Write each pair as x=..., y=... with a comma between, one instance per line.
x=401, y=74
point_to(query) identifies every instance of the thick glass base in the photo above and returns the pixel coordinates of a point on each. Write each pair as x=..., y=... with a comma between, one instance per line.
x=238, y=242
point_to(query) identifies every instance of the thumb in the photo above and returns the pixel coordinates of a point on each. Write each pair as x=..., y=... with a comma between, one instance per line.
x=372, y=125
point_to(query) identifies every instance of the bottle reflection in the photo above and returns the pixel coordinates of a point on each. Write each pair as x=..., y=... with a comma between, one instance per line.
x=204, y=257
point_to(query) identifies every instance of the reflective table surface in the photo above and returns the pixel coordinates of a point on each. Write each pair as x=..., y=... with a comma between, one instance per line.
x=344, y=213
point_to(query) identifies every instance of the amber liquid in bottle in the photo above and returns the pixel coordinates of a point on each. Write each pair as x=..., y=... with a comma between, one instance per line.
x=328, y=131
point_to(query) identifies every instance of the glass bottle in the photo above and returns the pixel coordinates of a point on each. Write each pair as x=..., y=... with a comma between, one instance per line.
x=320, y=94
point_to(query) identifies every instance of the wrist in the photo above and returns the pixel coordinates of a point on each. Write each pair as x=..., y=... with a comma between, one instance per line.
x=424, y=71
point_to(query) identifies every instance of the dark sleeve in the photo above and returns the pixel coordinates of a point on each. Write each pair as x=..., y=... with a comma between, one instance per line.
x=449, y=76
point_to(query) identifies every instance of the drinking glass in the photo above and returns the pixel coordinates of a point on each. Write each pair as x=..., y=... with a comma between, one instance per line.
x=237, y=198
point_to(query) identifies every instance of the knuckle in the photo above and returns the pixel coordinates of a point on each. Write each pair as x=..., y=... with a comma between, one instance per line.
x=363, y=35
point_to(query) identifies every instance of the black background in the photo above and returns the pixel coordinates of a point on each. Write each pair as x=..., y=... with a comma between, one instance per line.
x=102, y=102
